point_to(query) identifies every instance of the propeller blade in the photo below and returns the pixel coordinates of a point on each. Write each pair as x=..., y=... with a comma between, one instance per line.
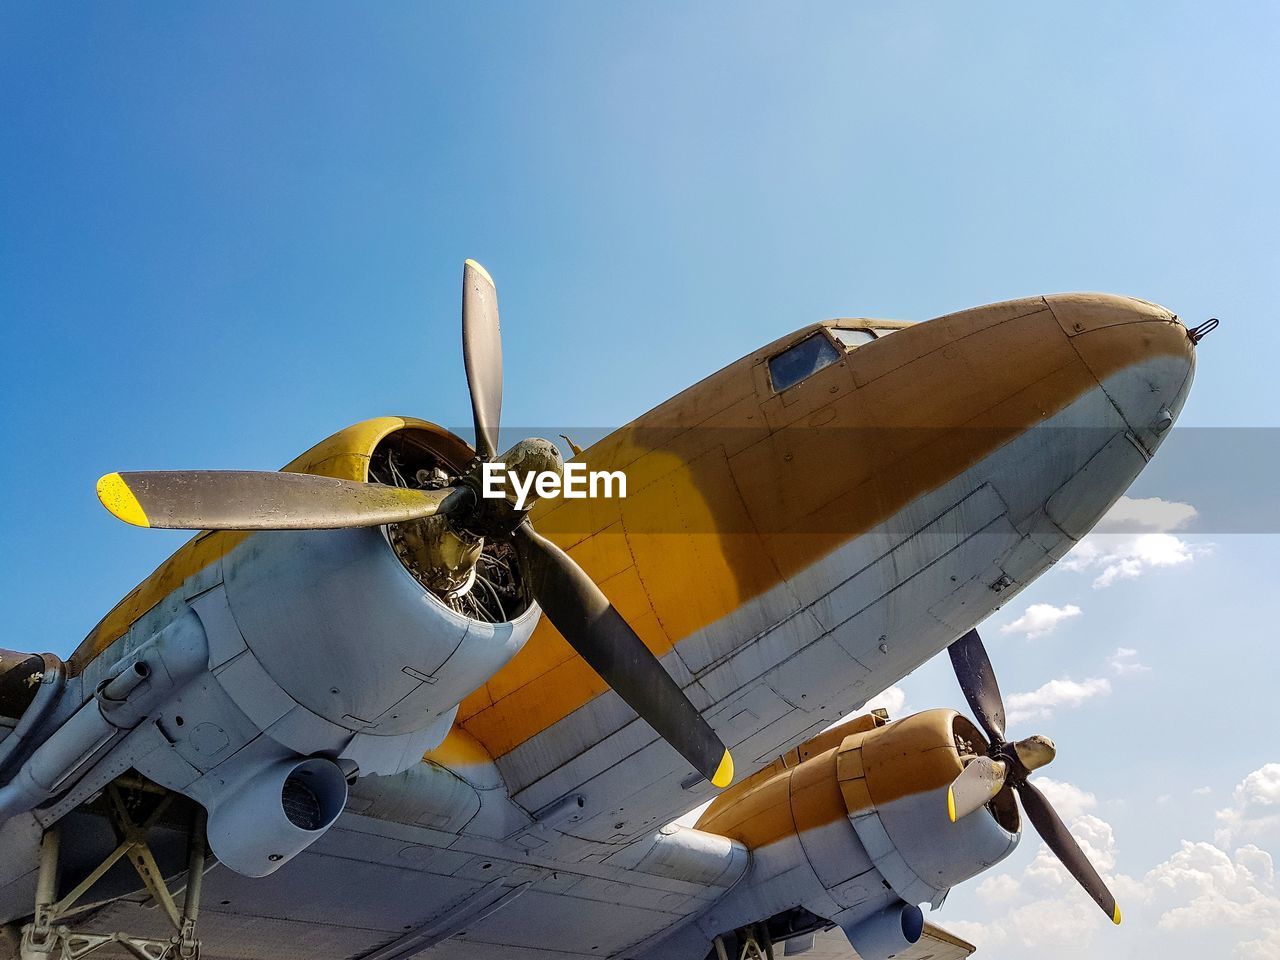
x=259, y=500
x=593, y=627
x=482, y=354
x=976, y=786
x=1058, y=838
x=978, y=682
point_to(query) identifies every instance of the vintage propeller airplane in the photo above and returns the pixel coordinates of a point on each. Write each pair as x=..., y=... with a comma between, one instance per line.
x=338, y=724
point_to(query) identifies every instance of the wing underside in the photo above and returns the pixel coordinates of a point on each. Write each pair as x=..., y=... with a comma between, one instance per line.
x=934, y=944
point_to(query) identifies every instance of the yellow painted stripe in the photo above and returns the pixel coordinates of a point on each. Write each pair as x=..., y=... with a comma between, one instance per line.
x=1115, y=916
x=724, y=772
x=951, y=803
x=119, y=499
x=482, y=271
x=345, y=455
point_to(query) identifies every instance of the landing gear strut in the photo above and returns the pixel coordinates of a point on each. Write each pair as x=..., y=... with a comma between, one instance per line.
x=748, y=943
x=47, y=939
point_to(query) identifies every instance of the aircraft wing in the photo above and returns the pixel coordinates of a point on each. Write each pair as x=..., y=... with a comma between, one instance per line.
x=376, y=890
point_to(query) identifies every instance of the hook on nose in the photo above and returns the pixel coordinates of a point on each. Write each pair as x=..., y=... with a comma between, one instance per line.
x=1198, y=333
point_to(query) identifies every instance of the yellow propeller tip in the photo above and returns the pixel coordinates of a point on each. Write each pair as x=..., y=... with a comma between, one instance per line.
x=724, y=772
x=119, y=499
x=951, y=804
x=1115, y=916
x=482, y=271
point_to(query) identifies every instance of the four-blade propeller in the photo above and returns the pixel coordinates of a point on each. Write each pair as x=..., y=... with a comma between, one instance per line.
x=1007, y=766
x=576, y=607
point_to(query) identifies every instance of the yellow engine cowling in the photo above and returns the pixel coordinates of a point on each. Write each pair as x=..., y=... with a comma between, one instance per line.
x=865, y=805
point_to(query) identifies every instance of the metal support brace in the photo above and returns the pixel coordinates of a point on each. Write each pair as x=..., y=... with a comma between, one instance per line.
x=41, y=939
x=753, y=943
x=755, y=949
x=188, y=947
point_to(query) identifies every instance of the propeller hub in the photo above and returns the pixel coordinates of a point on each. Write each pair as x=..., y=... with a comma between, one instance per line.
x=528, y=459
x=1035, y=752
x=503, y=490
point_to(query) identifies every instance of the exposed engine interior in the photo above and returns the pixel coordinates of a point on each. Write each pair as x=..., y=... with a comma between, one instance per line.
x=485, y=584
x=20, y=675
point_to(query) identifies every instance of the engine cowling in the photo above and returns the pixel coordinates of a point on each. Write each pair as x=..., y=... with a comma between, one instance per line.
x=361, y=642
x=893, y=783
x=329, y=641
x=325, y=650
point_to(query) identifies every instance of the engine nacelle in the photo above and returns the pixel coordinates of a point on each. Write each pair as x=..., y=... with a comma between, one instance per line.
x=360, y=643
x=325, y=655
x=852, y=827
x=893, y=782
x=329, y=641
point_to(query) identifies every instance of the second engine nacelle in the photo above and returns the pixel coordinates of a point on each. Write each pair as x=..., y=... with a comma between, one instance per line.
x=893, y=783
x=852, y=827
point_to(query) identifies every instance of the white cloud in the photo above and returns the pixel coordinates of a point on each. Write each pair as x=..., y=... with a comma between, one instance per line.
x=1068, y=799
x=1202, y=901
x=999, y=889
x=893, y=700
x=1146, y=515
x=1127, y=557
x=1230, y=899
x=1133, y=538
x=1041, y=618
x=1266, y=947
x=1125, y=661
x=1254, y=813
x=1040, y=703
x=1202, y=791
x=1203, y=888
x=1041, y=910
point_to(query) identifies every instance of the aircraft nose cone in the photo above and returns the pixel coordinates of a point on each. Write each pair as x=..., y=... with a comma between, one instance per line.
x=1138, y=351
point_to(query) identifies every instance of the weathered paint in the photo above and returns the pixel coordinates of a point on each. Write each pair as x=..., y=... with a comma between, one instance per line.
x=764, y=494
x=1007, y=368
x=834, y=783
x=344, y=455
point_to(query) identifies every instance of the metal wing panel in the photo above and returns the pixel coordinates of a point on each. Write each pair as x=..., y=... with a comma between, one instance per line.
x=934, y=944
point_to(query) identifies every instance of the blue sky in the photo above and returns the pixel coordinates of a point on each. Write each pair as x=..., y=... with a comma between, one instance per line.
x=229, y=229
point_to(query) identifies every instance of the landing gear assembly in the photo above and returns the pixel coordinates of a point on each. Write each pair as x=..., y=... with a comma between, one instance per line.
x=47, y=938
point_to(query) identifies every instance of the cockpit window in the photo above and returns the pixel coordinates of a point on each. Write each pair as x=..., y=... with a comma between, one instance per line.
x=803, y=360
x=853, y=338
x=885, y=331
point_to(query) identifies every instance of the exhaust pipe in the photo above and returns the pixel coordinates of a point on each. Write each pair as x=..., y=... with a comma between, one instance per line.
x=887, y=933
x=277, y=812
